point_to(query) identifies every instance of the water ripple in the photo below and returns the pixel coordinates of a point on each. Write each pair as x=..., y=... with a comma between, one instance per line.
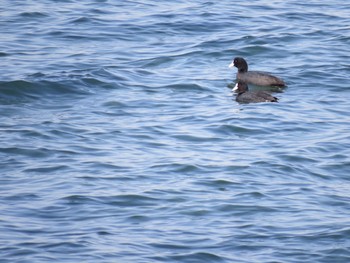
x=120, y=140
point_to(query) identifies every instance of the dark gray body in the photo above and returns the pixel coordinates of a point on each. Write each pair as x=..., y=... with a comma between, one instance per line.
x=259, y=78
x=255, y=96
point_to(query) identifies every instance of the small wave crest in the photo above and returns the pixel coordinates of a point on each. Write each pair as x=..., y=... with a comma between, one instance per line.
x=24, y=90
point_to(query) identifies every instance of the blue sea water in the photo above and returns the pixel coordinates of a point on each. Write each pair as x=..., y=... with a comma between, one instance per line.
x=120, y=140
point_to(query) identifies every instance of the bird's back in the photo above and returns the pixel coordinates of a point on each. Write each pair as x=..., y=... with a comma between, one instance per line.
x=260, y=78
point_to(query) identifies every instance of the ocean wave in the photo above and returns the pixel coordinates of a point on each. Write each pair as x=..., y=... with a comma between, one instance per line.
x=24, y=90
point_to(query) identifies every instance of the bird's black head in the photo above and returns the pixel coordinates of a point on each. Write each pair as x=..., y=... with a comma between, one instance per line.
x=240, y=63
x=240, y=87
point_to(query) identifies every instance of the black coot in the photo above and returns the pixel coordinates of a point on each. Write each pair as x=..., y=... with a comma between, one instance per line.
x=254, y=77
x=245, y=96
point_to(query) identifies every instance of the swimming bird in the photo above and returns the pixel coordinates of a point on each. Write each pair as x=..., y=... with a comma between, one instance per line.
x=245, y=96
x=254, y=77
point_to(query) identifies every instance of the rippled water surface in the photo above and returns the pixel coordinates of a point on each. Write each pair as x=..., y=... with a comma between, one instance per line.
x=120, y=140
